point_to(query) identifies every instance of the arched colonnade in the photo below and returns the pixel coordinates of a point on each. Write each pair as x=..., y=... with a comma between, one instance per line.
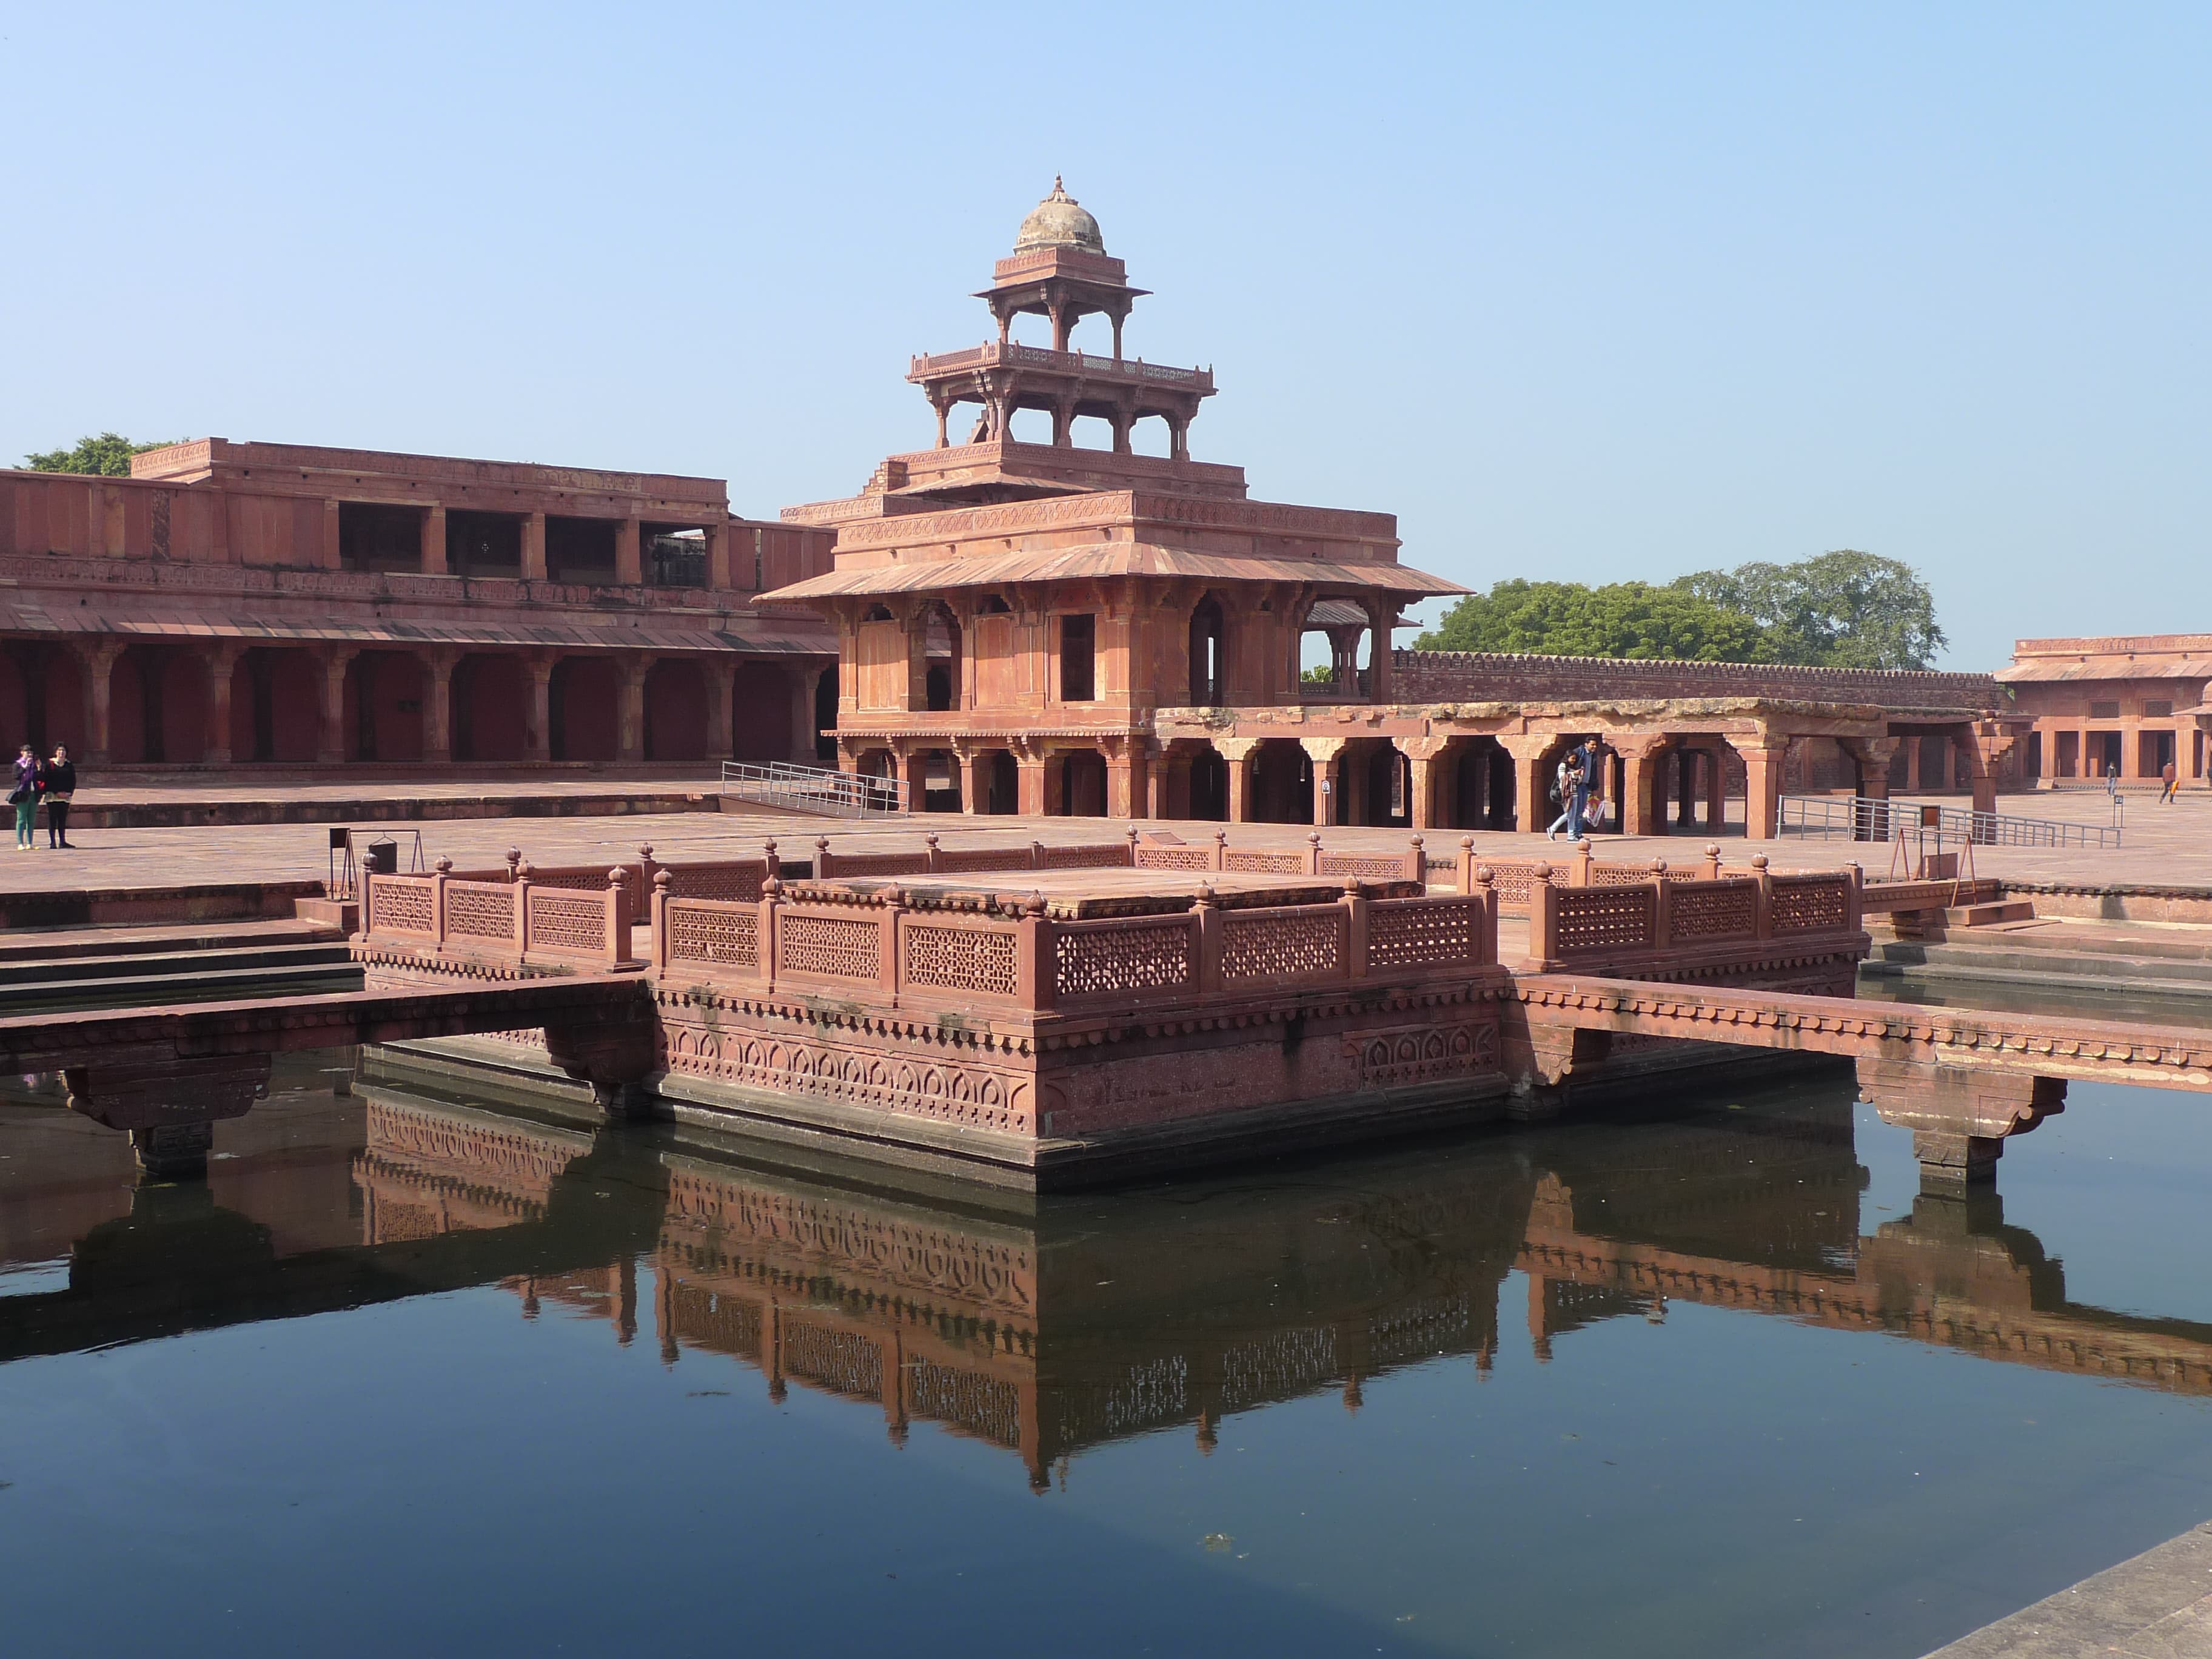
x=232, y=702
x=1654, y=783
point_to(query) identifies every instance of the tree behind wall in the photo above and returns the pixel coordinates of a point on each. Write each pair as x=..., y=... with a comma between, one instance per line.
x=1621, y=619
x=1844, y=610
x=107, y=456
x=1841, y=609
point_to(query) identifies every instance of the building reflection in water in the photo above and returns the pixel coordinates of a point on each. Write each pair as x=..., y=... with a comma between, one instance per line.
x=1044, y=1326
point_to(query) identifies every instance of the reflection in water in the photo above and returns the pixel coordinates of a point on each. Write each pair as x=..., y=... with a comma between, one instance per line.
x=1050, y=1326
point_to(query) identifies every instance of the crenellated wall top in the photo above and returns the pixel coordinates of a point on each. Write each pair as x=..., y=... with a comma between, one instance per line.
x=1484, y=675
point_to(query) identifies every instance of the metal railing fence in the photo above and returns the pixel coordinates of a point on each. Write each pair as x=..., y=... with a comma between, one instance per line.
x=1857, y=817
x=814, y=789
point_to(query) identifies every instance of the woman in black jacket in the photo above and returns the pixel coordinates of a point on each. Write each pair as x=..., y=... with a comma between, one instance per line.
x=57, y=783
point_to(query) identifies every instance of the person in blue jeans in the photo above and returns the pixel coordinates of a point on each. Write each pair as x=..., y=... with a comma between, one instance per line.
x=23, y=796
x=1585, y=760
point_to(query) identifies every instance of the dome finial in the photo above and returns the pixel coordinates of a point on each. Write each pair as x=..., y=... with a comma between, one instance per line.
x=1059, y=221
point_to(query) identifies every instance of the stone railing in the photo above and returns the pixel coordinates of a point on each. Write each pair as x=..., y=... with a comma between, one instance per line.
x=1311, y=860
x=1623, y=925
x=992, y=353
x=719, y=878
x=520, y=920
x=877, y=948
x=1512, y=876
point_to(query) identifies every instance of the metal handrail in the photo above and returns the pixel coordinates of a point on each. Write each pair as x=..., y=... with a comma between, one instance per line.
x=814, y=789
x=1860, y=817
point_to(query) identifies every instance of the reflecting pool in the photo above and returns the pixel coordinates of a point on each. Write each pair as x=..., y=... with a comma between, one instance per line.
x=411, y=1372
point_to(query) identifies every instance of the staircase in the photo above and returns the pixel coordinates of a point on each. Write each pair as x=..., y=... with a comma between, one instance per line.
x=2097, y=961
x=52, y=971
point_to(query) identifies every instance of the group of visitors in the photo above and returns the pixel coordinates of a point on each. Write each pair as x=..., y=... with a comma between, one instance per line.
x=1579, y=791
x=52, y=780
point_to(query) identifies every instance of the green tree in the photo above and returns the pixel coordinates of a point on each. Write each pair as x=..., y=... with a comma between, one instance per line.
x=108, y=455
x=1621, y=619
x=1841, y=609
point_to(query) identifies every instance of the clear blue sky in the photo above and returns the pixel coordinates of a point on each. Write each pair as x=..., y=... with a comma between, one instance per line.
x=1590, y=292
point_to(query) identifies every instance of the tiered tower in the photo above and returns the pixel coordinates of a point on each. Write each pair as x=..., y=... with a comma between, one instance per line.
x=1011, y=615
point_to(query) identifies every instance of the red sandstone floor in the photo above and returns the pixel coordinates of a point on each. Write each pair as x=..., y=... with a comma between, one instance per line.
x=2166, y=846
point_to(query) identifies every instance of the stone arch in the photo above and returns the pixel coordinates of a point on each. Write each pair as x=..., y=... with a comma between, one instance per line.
x=999, y=783
x=1476, y=792
x=583, y=711
x=675, y=692
x=1082, y=793
x=760, y=714
x=490, y=700
x=1282, y=782
x=382, y=716
x=275, y=705
x=1209, y=652
x=157, y=706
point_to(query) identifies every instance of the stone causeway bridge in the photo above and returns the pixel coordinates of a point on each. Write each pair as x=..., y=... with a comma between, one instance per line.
x=1044, y=1016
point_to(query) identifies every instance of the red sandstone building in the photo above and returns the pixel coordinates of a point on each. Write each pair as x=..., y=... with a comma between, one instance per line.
x=232, y=602
x=1052, y=627
x=2130, y=705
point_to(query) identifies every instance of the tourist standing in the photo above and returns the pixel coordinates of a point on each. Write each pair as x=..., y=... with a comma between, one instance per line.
x=23, y=796
x=1585, y=771
x=2172, y=780
x=57, y=783
x=1563, y=794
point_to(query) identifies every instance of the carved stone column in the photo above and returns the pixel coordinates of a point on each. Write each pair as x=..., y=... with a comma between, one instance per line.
x=1029, y=772
x=630, y=726
x=1642, y=794
x=1872, y=755
x=331, y=750
x=1238, y=753
x=720, y=677
x=537, y=733
x=803, y=734
x=974, y=770
x=1762, y=787
x=1960, y=1119
x=1425, y=765
x=1324, y=753
x=913, y=767
x=434, y=542
x=222, y=662
x=99, y=685
x=630, y=556
x=533, y=547
x=438, y=705
x=1531, y=787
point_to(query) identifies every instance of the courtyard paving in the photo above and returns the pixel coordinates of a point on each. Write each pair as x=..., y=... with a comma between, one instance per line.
x=2165, y=845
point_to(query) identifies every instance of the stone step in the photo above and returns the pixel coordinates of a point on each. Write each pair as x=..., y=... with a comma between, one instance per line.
x=57, y=943
x=200, y=985
x=2053, y=937
x=1990, y=915
x=2148, y=975
x=85, y=970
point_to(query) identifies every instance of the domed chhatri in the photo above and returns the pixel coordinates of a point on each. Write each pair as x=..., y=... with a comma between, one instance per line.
x=1059, y=221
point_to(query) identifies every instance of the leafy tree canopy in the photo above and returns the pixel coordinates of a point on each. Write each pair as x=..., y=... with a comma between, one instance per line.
x=1621, y=619
x=108, y=455
x=1846, y=609
x=1842, y=610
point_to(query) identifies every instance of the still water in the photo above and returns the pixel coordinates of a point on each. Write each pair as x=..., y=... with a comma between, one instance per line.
x=411, y=1375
